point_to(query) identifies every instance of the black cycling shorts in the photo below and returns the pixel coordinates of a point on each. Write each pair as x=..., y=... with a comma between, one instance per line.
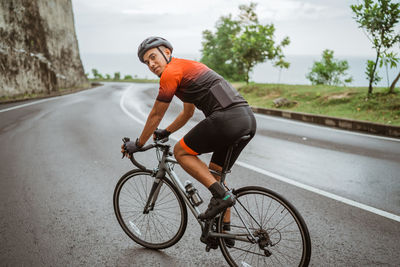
x=219, y=131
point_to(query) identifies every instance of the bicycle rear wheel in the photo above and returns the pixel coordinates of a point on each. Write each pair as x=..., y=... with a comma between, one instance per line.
x=281, y=233
x=161, y=227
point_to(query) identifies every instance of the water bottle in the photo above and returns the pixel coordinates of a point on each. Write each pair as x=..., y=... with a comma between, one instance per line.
x=193, y=194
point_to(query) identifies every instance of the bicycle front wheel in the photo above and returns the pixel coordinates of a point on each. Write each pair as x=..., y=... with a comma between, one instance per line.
x=269, y=231
x=163, y=225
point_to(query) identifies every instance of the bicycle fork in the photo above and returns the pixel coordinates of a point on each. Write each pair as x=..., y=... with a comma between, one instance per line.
x=155, y=190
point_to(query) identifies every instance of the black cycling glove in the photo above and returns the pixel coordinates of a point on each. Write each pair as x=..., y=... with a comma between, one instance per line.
x=161, y=134
x=131, y=147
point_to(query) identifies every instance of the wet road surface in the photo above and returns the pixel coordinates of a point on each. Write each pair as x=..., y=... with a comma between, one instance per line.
x=60, y=160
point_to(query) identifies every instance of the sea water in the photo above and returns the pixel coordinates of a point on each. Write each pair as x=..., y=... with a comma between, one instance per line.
x=300, y=65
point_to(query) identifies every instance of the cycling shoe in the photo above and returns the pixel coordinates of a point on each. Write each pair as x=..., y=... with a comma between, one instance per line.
x=217, y=205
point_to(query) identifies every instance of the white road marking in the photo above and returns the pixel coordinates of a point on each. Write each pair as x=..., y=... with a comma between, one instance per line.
x=28, y=104
x=288, y=180
x=121, y=104
x=46, y=99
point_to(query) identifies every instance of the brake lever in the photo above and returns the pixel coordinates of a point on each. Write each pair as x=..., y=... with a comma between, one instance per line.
x=164, y=140
x=124, y=140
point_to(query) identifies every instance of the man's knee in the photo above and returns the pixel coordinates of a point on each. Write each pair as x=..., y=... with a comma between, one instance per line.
x=178, y=150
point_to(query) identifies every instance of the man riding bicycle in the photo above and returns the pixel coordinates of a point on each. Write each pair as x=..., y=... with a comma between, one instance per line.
x=228, y=117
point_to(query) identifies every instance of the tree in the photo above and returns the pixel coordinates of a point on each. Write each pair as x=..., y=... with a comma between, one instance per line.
x=392, y=86
x=239, y=44
x=96, y=74
x=393, y=60
x=390, y=59
x=117, y=76
x=377, y=18
x=217, y=50
x=281, y=63
x=329, y=70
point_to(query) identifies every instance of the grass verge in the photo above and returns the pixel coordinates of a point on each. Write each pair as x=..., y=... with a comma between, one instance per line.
x=342, y=102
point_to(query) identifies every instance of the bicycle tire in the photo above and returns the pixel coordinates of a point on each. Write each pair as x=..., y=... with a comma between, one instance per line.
x=162, y=227
x=282, y=224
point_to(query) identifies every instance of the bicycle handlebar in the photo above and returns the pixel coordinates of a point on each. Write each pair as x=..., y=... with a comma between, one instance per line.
x=157, y=143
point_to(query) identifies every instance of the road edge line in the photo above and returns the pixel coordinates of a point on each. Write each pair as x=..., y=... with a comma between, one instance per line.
x=28, y=104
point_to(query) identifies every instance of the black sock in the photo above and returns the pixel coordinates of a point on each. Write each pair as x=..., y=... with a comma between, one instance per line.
x=226, y=226
x=217, y=190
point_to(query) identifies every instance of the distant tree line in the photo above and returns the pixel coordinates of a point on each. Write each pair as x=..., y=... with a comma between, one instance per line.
x=117, y=76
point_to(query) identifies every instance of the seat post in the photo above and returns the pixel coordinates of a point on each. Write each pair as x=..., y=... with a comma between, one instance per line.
x=226, y=163
x=225, y=168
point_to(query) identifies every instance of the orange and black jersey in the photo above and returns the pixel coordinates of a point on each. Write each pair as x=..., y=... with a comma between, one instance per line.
x=193, y=82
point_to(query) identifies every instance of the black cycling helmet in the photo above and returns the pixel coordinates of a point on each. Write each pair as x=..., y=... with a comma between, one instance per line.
x=153, y=42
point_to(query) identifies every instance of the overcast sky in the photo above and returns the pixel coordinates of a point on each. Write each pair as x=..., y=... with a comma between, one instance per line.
x=118, y=26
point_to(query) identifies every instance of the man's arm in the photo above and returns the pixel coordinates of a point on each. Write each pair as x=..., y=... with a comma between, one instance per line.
x=182, y=118
x=153, y=120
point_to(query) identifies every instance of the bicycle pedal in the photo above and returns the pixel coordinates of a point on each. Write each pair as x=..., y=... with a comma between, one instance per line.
x=203, y=240
x=211, y=243
x=211, y=246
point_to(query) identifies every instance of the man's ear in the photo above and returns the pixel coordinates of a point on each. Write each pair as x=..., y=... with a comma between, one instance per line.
x=167, y=52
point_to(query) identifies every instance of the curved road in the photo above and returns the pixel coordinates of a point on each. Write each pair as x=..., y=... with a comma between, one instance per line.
x=60, y=160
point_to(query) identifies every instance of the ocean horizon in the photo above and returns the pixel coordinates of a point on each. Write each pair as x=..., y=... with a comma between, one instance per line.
x=300, y=65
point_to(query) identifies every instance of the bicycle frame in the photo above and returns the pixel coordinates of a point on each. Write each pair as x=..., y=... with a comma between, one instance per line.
x=166, y=166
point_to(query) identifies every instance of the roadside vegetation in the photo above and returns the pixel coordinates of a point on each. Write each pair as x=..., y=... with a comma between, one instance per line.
x=335, y=101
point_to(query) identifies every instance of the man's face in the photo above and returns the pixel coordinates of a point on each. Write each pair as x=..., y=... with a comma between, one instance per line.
x=155, y=60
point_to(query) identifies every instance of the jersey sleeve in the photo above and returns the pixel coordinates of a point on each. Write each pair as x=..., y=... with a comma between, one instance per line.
x=169, y=82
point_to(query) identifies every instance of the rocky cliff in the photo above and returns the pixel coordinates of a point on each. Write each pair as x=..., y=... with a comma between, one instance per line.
x=38, y=47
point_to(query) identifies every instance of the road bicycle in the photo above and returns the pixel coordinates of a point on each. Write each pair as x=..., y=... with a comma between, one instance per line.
x=266, y=230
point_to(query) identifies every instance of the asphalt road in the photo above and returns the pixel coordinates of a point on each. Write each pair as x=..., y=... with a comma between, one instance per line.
x=60, y=160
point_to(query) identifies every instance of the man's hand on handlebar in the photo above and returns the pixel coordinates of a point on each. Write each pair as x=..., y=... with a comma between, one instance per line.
x=160, y=134
x=129, y=147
